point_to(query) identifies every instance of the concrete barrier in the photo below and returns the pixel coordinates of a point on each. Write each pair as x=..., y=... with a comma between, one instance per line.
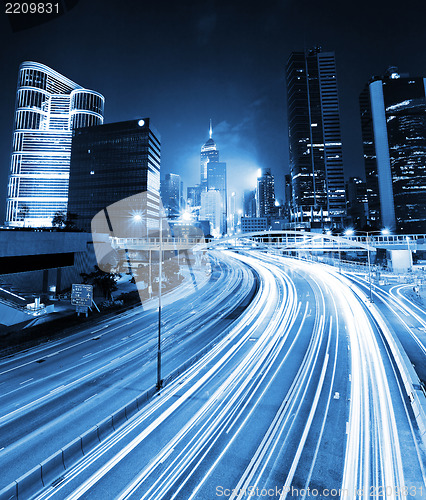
x=72, y=452
x=105, y=428
x=89, y=439
x=30, y=483
x=10, y=492
x=119, y=417
x=52, y=467
x=131, y=409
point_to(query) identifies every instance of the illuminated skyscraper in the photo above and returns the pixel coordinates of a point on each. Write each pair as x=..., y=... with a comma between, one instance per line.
x=209, y=153
x=265, y=194
x=316, y=163
x=211, y=210
x=213, y=176
x=48, y=107
x=113, y=162
x=171, y=194
x=393, y=119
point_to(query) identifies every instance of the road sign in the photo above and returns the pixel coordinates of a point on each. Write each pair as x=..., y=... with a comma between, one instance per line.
x=81, y=295
x=81, y=309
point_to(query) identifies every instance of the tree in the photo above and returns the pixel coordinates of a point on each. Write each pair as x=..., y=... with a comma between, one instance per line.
x=59, y=219
x=105, y=281
x=65, y=221
x=23, y=212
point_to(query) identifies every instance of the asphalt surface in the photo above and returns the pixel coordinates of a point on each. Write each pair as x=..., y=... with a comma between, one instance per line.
x=299, y=396
x=52, y=393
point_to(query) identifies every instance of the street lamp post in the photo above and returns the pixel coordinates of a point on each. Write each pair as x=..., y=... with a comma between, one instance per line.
x=369, y=268
x=368, y=233
x=409, y=253
x=160, y=271
x=340, y=263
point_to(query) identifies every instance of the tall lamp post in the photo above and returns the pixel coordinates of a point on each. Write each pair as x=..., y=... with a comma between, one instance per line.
x=409, y=252
x=350, y=232
x=160, y=272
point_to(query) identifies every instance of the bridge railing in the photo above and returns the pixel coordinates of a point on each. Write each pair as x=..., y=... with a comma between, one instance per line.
x=141, y=242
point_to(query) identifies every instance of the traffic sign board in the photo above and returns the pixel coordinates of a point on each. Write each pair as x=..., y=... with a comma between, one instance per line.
x=81, y=295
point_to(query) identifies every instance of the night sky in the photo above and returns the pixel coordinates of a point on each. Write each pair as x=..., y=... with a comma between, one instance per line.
x=183, y=62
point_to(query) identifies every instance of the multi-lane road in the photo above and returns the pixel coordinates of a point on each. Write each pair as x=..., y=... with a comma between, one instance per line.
x=298, y=394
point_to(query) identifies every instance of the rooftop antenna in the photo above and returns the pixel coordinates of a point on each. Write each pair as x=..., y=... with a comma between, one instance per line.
x=210, y=131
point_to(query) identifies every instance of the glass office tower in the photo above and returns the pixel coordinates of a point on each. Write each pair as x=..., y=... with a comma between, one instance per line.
x=110, y=163
x=265, y=194
x=213, y=177
x=393, y=120
x=171, y=194
x=316, y=160
x=48, y=107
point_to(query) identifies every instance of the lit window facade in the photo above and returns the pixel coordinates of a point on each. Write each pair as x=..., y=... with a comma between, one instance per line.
x=213, y=177
x=316, y=159
x=393, y=119
x=113, y=162
x=48, y=107
x=265, y=194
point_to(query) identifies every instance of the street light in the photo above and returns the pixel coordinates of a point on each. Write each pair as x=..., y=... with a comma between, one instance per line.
x=348, y=232
x=160, y=272
x=368, y=233
x=409, y=252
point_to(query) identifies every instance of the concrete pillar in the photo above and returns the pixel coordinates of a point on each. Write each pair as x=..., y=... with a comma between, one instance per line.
x=401, y=261
x=45, y=280
x=58, y=280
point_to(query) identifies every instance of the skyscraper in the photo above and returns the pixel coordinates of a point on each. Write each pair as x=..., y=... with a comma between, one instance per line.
x=48, y=107
x=249, y=203
x=209, y=153
x=213, y=176
x=193, y=196
x=171, y=194
x=211, y=210
x=265, y=194
x=316, y=162
x=112, y=162
x=356, y=201
x=393, y=120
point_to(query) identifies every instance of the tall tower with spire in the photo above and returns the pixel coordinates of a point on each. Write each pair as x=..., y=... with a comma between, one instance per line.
x=213, y=175
x=209, y=153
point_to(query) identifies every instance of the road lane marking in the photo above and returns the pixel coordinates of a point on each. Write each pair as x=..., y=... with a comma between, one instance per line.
x=99, y=329
x=90, y=397
x=25, y=381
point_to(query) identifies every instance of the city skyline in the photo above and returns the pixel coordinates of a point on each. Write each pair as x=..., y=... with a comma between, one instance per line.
x=248, y=113
x=224, y=293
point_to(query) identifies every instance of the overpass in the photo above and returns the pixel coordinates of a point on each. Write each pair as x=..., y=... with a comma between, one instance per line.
x=400, y=247
x=312, y=241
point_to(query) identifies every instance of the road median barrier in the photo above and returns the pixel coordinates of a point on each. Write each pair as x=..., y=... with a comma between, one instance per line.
x=89, y=439
x=72, y=452
x=131, y=409
x=51, y=467
x=119, y=417
x=10, y=492
x=105, y=428
x=29, y=483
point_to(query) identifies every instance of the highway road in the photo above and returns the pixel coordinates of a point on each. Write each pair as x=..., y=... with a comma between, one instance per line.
x=404, y=317
x=52, y=393
x=300, y=396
